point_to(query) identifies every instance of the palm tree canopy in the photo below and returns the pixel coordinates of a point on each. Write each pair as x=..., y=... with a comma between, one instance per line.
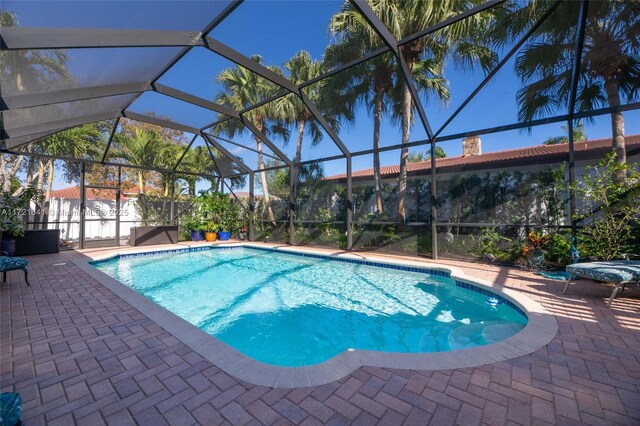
x=139, y=149
x=242, y=88
x=611, y=57
x=464, y=43
x=29, y=70
x=291, y=110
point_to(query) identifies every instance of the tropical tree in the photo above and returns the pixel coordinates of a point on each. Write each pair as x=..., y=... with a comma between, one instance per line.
x=579, y=135
x=84, y=141
x=418, y=156
x=29, y=69
x=301, y=68
x=21, y=71
x=139, y=149
x=241, y=89
x=370, y=83
x=609, y=68
x=462, y=42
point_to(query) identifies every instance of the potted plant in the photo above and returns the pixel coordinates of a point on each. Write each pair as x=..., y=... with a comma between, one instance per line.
x=194, y=227
x=534, y=249
x=229, y=223
x=11, y=217
x=210, y=232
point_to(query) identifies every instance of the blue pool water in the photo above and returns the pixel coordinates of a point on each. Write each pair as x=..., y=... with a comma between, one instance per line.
x=293, y=310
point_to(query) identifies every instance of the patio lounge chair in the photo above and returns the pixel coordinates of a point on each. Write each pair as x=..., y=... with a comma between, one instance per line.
x=13, y=264
x=618, y=272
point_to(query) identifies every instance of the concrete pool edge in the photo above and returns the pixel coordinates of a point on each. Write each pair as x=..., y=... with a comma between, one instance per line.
x=541, y=328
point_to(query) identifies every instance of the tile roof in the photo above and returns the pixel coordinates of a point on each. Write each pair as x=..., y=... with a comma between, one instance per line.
x=73, y=192
x=91, y=194
x=540, y=154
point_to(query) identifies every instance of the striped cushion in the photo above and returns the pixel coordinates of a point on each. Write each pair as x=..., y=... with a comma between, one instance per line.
x=11, y=263
x=612, y=271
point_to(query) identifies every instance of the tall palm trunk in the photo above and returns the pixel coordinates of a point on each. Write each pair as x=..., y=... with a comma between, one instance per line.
x=165, y=196
x=47, y=198
x=377, y=179
x=404, y=153
x=263, y=176
x=40, y=187
x=296, y=164
x=617, y=125
x=142, y=198
x=19, y=82
x=265, y=185
x=9, y=170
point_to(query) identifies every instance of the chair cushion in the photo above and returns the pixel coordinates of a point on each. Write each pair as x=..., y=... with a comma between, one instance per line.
x=612, y=271
x=11, y=263
x=10, y=408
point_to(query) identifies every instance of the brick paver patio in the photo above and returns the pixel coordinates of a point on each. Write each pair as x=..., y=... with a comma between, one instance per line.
x=78, y=353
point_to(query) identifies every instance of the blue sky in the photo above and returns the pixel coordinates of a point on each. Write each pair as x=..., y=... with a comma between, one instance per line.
x=276, y=30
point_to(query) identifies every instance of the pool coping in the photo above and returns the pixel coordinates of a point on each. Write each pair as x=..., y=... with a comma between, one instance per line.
x=540, y=330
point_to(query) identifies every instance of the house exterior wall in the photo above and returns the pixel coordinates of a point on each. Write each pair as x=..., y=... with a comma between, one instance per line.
x=64, y=213
x=418, y=193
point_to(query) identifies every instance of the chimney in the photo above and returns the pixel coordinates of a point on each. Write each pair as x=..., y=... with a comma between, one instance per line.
x=471, y=146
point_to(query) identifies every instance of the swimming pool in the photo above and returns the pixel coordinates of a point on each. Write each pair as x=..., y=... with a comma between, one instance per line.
x=291, y=310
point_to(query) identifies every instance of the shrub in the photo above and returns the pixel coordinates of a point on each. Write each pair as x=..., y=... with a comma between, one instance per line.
x=609, y=208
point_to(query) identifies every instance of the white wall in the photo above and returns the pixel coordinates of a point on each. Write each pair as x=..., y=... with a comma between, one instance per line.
x=67, y=212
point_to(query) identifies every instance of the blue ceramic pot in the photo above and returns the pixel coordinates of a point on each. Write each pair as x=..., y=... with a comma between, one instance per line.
x=8, y=246
x=196, y=236
x=224, y=235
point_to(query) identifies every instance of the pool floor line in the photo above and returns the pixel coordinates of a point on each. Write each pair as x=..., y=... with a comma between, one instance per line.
x=539, y=331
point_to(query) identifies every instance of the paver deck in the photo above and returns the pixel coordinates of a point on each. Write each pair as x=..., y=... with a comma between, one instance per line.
x=79, y=354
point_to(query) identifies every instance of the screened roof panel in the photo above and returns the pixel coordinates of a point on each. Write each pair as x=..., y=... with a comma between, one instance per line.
x=247, y=154
x=38, y=71
x=143, y=144
x=351, y=97
x=159, y=15
x=200, y=73
x=610, y=63
x=210, y=76
x=533, y=84
x=444, y=86
x=62, y=143
x=284, y=133
x=161, y=106
x=286, y=31
x=421, y=15
x=197, y=159
x=25, y=121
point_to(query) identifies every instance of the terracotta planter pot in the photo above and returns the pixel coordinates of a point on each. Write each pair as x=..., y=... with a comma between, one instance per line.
x=210, y=236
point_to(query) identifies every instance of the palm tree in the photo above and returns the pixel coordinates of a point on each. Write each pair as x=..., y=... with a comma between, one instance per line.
x=370, y=83
x=26, y=70
x=198, y=160
x=301, y=68
x=241, y=89
x=579, y=135
x=30, y=69
x=416, y=157
x=609, y=69
x=425, y=57
x=139, y=149
x=78, y=142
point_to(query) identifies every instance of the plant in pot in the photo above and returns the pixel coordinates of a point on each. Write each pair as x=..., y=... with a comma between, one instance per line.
x=210, y=231
x=12, y=211
x=534, y=249
x=230, y=220
x=194, y=227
